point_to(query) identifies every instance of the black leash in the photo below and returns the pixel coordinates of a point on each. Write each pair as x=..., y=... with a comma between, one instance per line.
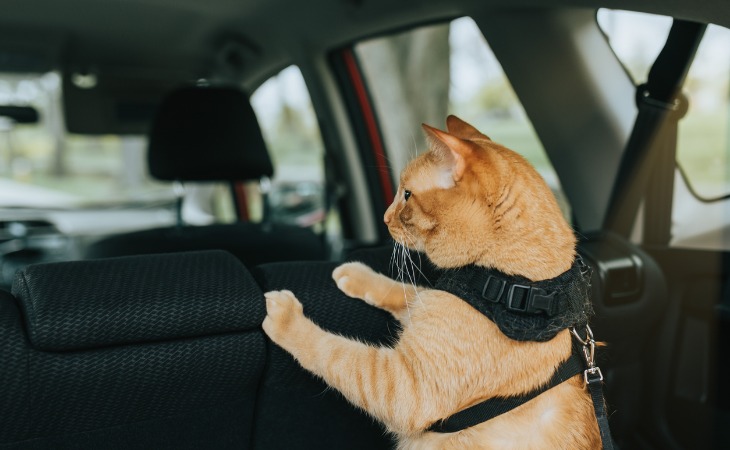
x=582, y=360
x=594, y=380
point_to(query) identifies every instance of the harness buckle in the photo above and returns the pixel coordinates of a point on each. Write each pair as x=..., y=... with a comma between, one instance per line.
x=529, y=299
x=493, y=289
x=593, y=375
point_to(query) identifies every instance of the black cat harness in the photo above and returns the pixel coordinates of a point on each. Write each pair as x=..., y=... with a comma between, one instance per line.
x=530, y=311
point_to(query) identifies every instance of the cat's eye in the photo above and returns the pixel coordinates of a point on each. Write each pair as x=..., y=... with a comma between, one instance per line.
x=407, y=194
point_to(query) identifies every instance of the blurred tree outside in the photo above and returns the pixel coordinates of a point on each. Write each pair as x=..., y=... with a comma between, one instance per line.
x=703, y=147
x=289, y=126
x=422, y=75
x=408, y=77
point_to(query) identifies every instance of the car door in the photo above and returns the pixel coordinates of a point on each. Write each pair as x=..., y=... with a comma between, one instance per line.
x=683, y=224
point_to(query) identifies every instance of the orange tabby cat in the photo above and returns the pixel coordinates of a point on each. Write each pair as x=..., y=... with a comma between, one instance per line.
x=466, y=201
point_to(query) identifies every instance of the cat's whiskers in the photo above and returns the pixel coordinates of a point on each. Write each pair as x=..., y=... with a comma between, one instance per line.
x=411, y=273
x=400, y=246
x=393, y=264
x=412, y=239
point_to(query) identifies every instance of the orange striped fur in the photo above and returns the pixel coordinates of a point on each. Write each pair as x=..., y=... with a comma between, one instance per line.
x=472, y=202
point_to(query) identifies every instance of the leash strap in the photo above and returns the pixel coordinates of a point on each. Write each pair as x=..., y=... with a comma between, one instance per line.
x=594, y=380
x=595, y=387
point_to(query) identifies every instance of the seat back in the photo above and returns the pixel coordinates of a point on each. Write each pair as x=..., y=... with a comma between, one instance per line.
x=161, y=351
x=251, y=243
x=166, y=351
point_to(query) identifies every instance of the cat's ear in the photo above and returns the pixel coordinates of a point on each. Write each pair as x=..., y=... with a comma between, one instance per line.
x=453, y=150
x=459, y=128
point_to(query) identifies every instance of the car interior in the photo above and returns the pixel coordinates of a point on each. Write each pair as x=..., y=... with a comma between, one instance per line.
x=220, y=123
x=258, y=145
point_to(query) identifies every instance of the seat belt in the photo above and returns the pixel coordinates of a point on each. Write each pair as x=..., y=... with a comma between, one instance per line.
x=648, y=163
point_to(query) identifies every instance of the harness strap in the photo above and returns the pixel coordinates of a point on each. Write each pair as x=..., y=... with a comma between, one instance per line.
x=524, y=310
x=493, y=407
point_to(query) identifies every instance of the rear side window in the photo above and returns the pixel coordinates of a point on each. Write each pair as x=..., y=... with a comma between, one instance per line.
x=425, y=74
x=702, y=183
x=291, y=132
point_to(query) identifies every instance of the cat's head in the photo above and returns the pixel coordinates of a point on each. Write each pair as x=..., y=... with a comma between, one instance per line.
x=470, y=200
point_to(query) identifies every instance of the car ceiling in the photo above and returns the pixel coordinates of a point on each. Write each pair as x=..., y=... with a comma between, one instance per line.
x=241, y=39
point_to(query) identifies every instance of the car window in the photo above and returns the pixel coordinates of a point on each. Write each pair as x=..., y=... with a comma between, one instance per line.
x=43, y=166
x=84, y=185
x=291, y=132
x=703, y=147
x=425, y=74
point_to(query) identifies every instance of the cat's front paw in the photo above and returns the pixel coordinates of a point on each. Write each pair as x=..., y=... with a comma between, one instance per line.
x=283, y=314
x=356, y=280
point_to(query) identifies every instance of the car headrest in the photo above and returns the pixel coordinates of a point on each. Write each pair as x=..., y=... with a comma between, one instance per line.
x=94, y=303
x=207, y=134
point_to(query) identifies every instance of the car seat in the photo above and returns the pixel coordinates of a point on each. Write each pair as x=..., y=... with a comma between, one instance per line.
x=153, y=351
x=211, y=134
x=167, y=352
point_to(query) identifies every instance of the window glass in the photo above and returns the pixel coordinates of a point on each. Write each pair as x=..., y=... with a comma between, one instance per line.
x=289, y=125
x=425, y=74
x=636, y=38
x=44, y=170
x=703, y=143
x=702, y=150
x=42, y=165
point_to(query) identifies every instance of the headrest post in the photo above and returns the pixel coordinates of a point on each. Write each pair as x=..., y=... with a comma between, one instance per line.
x=265, y=189
x=179, y=189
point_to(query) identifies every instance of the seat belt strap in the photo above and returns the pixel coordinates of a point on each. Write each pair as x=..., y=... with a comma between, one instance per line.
x=654, y=132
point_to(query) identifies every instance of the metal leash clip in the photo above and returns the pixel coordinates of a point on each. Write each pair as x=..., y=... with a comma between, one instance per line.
x=593, y=373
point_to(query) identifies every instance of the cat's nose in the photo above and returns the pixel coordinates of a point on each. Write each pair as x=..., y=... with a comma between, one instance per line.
x=387, y=216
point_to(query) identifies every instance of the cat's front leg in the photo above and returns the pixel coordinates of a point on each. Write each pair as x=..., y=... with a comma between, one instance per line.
x=285, y=322
x=357, y=280
x=377, y=379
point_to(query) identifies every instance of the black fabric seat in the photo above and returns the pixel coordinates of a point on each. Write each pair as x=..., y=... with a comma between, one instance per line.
x=159, y=351
x=212, y=134
x=167, y=352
